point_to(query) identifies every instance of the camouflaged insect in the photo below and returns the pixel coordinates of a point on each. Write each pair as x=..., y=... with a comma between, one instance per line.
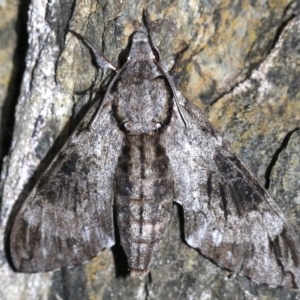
x=136, y=152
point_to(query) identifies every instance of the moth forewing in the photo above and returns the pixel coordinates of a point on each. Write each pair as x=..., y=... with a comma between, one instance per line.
x=68, y=217
x=154, y=147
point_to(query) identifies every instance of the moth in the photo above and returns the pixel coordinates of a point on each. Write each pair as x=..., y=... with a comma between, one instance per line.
x=141, y=148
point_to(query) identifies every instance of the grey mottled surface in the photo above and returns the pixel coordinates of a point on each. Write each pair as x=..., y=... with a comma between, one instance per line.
x=256, y=44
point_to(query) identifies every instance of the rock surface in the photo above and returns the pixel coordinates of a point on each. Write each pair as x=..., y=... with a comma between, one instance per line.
x=12, y=65
x=242, y=66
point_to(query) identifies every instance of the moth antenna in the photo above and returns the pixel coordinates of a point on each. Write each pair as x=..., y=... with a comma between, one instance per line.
x=146, y=21
x=170, y=81
x=101, y=61
x=102, y=103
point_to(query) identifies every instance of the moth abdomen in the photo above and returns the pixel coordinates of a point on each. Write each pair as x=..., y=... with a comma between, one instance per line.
x=144, y=197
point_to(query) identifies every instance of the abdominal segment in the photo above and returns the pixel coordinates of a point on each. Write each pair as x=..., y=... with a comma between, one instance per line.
x=144, y=196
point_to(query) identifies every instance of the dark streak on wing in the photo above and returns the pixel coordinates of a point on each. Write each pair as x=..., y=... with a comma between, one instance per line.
x=289, y=246
x=143, y=158
x=69, y=166
x=223, y=203
x=209, y=188
x=275, y=248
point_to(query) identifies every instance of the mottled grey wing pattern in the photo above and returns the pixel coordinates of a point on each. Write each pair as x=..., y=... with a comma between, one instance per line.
x=228, y=216
x=68, y=217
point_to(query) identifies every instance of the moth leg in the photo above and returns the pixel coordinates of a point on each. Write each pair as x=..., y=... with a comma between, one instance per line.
x=101, y=61
x=91, y=91
x=100, y=89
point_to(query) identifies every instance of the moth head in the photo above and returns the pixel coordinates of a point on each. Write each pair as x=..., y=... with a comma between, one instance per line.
x=140, y=47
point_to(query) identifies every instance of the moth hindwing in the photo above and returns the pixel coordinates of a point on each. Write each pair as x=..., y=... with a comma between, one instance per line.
x=141, y=148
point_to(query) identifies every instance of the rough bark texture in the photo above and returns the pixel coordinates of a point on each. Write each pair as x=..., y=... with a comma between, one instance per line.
x=242, y=64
